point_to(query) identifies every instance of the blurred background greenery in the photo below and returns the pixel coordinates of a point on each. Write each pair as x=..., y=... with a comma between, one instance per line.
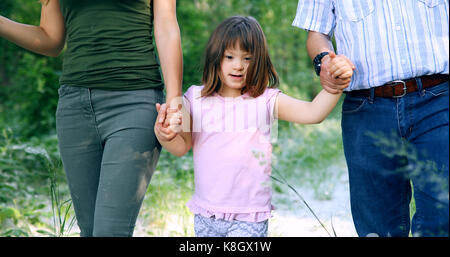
x=33, y=191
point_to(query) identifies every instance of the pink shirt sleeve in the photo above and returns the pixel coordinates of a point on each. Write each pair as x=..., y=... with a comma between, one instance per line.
x=271, y=97
x=187, y=99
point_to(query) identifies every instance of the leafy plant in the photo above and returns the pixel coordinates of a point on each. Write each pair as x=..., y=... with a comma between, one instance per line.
x=62, y=213
x=25, y=170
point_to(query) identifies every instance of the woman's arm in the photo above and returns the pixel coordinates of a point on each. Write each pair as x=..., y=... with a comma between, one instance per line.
x=168, y=43
x=303, y=112
x=48, y=38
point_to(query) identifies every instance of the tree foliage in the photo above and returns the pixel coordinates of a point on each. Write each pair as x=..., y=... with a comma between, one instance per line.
x=28, y=82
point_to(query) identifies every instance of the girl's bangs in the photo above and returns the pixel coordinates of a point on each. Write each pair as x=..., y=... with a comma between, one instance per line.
x=240, y=34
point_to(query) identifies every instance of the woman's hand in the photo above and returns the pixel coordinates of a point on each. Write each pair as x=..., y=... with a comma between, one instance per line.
x=170, y=116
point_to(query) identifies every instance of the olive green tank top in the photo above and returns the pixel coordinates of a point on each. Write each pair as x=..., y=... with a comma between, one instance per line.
x=109, y=45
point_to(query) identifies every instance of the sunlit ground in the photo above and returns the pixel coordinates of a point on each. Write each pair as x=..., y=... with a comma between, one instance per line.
x=322, y=183
x=291, y=218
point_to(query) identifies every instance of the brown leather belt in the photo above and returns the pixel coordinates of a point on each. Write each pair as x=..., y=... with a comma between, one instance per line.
x=399, y=88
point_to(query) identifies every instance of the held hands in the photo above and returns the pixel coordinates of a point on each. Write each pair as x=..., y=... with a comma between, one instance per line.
x=168, y=122
x=336, y=72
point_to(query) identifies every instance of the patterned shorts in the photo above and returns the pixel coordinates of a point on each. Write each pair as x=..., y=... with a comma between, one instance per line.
x=211, y=227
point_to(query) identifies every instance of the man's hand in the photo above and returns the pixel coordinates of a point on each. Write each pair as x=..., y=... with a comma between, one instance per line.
x=332, y=75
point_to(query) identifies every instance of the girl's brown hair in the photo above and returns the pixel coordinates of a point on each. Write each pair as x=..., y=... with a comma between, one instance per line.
x=246, y=32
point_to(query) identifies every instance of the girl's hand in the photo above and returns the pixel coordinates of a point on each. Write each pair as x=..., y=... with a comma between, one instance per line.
x=163, y=133
x=340, y=67
x=334, y=84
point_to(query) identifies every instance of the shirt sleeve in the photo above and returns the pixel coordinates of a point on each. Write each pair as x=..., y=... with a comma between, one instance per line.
x=271, y=98
x=188, y=97
x=315, y=15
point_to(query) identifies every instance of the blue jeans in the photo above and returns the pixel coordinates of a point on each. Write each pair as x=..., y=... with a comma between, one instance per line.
x=109, y=152
x=393, y=145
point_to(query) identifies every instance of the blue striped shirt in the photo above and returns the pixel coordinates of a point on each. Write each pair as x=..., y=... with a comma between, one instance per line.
x=386, y=39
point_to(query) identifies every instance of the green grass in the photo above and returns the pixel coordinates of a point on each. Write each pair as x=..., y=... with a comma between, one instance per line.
x=163, y=212
x=30, y=197
x=311, y=156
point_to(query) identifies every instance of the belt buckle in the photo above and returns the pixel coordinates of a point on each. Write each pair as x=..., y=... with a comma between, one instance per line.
x=404, y=88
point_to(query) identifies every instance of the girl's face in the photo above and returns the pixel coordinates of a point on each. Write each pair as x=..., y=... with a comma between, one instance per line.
x=234, y=69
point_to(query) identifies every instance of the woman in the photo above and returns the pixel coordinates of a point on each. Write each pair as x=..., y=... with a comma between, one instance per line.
x=106, y=110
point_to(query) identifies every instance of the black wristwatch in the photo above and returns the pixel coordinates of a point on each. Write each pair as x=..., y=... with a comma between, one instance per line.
x=318, y=62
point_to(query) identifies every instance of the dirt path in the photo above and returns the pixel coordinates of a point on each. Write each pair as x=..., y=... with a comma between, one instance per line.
x=297, y=221
x=290, y=219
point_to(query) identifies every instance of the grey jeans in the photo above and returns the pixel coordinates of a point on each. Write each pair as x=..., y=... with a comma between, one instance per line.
x=109, y=152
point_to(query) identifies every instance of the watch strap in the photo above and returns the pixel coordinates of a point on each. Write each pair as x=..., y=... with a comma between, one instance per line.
x=318, y=62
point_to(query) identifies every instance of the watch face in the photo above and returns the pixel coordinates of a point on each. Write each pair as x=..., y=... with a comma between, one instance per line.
x=317, y=69
x=318, y=61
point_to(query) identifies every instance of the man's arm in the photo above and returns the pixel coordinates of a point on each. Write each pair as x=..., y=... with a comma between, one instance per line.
x=316, y=44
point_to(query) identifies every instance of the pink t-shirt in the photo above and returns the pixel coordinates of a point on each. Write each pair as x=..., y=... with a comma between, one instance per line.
x=231, y=143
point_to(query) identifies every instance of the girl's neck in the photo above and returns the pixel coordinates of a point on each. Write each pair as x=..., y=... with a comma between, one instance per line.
x=229, y=92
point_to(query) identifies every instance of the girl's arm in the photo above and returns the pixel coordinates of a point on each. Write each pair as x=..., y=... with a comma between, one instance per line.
x=303, y=112
x=294, y=110
x=48, y=38
x=177, y=138
x=179, y=145
x=168, y=43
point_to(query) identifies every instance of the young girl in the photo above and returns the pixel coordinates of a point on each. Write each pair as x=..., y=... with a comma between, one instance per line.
x=227, y=122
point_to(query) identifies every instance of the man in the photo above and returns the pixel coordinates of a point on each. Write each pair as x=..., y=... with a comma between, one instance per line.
x=395, y=113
